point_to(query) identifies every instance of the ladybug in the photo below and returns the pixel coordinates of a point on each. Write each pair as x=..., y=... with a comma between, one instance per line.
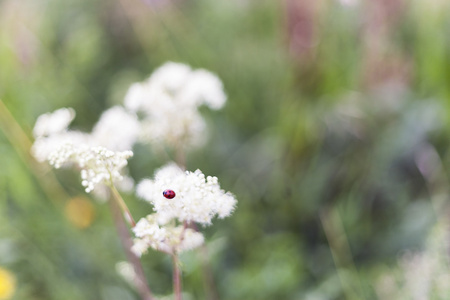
x=169, y=194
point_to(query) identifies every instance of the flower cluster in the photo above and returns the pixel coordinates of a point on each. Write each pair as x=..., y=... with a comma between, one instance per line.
x=198, y=199
x=97, y=164
x=116, y=130
x=421, y=275
x=153, y=232
x=51, y=131
x=169, y=102
x=53, y=123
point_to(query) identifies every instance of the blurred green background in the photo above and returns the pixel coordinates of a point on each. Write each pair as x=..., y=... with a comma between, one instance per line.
x=333, y=139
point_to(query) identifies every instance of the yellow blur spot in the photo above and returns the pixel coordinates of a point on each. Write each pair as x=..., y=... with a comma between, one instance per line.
x=80, y=212
x=7, y=284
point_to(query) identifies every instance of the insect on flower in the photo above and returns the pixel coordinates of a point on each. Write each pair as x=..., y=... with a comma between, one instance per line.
x=169, y=194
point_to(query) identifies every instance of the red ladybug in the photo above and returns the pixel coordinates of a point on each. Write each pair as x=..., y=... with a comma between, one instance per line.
x=169, y=194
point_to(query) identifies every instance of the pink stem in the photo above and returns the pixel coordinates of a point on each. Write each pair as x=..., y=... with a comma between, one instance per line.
x=125, y=238
x=176, y=277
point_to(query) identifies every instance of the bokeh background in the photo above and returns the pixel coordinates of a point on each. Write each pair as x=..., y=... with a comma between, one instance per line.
x=334, y=140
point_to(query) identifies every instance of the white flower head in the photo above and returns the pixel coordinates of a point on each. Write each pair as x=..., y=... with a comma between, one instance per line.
x=116, y=129
x=135, y=97
x=126, y=271
x=189, y=127
x=153, y=232
x=43, y=146
x=197, y=198
x=171, y=76
x=203, y=87
x=98, y=165
x=51, y=131
x=53, y=123
x=169, y=101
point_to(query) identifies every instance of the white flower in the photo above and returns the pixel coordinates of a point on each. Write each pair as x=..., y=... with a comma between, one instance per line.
x=421, y=275
x=117, y=129
x=171, y=76
x=50, y=131
x=191, y=240
x=97, y=164
x=203, y=87
x=169, y=101
x=43, y=146
x=53, y=123
x=189, y=128
x=135, y=97
x=198, y=199
x=140, y=246
x=126, y=271
x=153, y=232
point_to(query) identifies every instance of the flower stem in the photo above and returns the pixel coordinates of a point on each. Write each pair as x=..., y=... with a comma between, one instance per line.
x=341, y=253
x=122, y=205
x=124, y=235
x=208, y=276
x=176, y=277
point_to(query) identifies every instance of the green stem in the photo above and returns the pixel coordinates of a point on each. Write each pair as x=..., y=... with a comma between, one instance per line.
x=341, y=253
x=122, y=205
x=21, y=143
